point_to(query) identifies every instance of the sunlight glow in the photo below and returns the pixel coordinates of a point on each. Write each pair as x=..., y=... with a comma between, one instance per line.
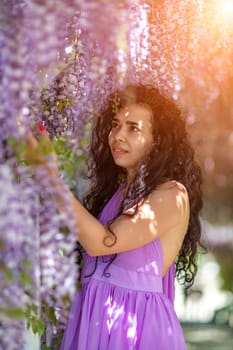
x=224, y=10
x=226, y=7
x=69, y=49
x=139, y=37
x=114, y=311
x=152, y=266
x=147, y=212
x=132, y=330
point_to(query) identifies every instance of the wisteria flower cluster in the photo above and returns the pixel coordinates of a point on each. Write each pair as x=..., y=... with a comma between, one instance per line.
x=38, y=277
x=19, y=255
x=58, y=269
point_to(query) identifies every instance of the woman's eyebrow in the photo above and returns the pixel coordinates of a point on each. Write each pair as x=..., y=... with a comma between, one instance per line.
x=129, y=122
x=132, y=123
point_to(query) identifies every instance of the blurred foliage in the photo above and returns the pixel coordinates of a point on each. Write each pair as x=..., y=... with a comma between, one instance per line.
x=223, y=255
x=211, y=129
x=72, y=164
x=34, y=322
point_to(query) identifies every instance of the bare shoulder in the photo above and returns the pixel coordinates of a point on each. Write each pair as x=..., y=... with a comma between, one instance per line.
x=172, y=201
x=169, y=192
x=172, y=185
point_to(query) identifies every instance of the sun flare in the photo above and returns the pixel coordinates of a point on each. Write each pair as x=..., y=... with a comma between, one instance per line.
x=226, y=8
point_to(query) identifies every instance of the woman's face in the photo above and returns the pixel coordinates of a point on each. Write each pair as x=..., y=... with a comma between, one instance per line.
x=131, y=137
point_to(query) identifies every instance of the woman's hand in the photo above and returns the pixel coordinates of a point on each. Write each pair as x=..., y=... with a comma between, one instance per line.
x=41, y=152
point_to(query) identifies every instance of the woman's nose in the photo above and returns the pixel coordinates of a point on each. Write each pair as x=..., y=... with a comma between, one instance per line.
x=120, y=134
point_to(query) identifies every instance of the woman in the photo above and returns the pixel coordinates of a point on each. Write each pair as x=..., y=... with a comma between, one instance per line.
x=139, y=228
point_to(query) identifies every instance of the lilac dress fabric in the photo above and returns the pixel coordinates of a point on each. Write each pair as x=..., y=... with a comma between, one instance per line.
x=132, y=308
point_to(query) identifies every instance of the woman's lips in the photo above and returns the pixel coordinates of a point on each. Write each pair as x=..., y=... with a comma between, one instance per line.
x=118, y=151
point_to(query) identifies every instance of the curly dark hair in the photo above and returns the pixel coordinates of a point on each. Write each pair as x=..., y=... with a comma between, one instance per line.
x=171, y=158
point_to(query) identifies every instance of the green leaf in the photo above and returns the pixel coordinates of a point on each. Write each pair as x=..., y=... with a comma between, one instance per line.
x=64, y=230
x=69, y=169
x=83, y=142
x=37, y=326
x=25, y=279
x=34, y=326
x=45, y=347
x=40, y=327
x=7, y=272
x=51, y=315
x=27, y=264
x=13, y=313
x=66, y=299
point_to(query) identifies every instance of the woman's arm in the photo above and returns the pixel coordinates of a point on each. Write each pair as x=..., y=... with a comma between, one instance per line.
x=164, y=212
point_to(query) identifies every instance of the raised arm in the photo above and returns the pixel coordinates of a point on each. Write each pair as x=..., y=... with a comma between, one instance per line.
x=165, y=213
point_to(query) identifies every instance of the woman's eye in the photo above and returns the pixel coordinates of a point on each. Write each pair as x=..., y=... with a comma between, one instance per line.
x=114, y=125
x=134, y=129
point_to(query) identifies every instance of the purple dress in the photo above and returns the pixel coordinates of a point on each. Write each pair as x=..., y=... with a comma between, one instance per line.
x=129, y=309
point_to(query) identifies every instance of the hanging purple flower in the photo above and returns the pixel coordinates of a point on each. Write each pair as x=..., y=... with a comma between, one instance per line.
x=19, y=256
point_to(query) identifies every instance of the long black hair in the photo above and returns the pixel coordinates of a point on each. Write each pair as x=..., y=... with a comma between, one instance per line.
x=171, y=158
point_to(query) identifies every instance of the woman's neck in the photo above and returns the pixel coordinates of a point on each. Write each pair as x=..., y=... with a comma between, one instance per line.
x=130, y=177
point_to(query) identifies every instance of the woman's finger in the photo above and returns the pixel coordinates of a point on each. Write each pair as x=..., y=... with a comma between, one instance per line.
x=43, y=131
x=38, y=150
x=32, y=141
